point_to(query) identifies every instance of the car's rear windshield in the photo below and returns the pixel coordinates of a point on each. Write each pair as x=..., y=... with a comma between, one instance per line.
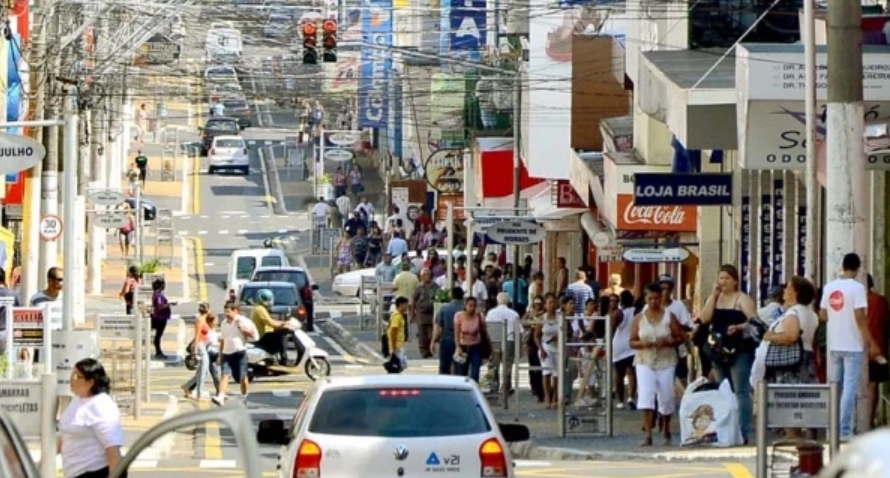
x=222, y=126
x=270, y=261
x=235, y=104
x=229, y=143
x=283, y=296
x=220, y=72
x=399, y=413
x=297, y=278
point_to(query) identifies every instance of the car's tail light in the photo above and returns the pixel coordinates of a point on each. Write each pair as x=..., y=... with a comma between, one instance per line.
x=493, y=459
x=308, y=461
x=306, y=293
x=301, y=312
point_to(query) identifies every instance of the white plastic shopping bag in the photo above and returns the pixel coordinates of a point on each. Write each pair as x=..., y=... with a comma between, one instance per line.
x=709, y=417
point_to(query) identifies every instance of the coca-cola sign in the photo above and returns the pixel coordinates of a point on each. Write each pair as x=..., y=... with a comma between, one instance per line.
x=654, y=218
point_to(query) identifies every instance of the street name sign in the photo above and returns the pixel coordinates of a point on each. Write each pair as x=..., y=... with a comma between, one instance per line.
x=18, y=153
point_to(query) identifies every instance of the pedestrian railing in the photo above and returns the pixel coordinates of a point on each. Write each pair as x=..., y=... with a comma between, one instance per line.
x=584, y=418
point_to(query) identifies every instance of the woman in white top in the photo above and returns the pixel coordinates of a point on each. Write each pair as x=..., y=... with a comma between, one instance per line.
x=90, y=433
x=622, y=354
x=546, y=334
x=655, y=335
x=799, y=322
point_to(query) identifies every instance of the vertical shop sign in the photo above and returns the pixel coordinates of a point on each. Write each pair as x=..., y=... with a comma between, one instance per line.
x=778, y=230
x=746, y=243
x=801, y=240
x=766, y=224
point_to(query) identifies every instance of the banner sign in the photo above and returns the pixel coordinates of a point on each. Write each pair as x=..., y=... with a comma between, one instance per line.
x=778, y=231
x=467, y=24
x=377, y=27
x=672, y=189
x=766, y=222
x=746, y=244
x=801, y=240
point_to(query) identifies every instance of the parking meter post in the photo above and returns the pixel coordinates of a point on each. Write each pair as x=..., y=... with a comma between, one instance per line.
x=361, y=302
x=505, y=365
x=138, y=357
x=10, y=353
x=560, y=370
x=610, y=379
x=48, y=401
x=761, y=430
x=834, y=418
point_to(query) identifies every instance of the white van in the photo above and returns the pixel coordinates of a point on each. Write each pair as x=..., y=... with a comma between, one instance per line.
x=223, y=45
x=244, y=262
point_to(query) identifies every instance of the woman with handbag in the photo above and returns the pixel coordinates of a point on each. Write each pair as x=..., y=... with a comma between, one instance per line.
x=206, y=348
x=732, y=341
x=472, y=340
x=786, y=354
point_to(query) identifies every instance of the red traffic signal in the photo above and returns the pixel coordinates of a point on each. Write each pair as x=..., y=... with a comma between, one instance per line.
x=309, y=29
x=330, y=26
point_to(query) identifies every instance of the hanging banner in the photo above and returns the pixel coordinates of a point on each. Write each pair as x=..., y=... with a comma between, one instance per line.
x=467, y=24
x=377, y=28
x=801, y=240
x=766, y=223
x=746, y=244
x=778, y=231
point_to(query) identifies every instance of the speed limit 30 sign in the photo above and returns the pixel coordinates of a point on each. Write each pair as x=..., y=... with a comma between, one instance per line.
x=50, y=227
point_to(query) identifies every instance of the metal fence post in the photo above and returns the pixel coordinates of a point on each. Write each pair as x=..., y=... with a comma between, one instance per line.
x=606, y=388
x=761, y=430
x=505, y=368
x=361, y=302
x=560, y=366
x=834, y=419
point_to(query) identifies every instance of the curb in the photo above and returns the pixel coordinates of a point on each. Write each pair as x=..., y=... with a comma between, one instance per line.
x=272, y=183
x=347, y=340
x=530, y=451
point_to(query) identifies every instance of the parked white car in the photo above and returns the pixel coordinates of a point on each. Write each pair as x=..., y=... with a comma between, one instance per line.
x=228, y=152
x=221, y=74
x=393, y=425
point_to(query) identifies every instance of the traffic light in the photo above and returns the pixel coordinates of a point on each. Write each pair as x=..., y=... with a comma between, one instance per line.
x=310, y=54
x=329, y=42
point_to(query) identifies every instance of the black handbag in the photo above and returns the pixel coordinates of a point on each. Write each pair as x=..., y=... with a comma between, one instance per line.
x=780, y=356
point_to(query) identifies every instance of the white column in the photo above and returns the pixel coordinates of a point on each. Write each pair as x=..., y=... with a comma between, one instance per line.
x=789, y=238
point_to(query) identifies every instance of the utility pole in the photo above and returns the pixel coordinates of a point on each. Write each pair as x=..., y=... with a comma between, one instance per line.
x=517, y=167
x=31, y=271
x=97, y=235
x=847, y=197
x=811, y=182
x=49, y=190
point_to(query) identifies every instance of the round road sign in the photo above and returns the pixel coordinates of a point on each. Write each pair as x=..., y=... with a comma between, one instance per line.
x=50, y=227
x=338, y=155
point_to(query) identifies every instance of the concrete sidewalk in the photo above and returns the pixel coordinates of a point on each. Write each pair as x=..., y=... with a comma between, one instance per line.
x=161, y=407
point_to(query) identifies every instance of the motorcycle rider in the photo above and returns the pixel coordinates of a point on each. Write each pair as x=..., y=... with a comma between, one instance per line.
x=273, y=333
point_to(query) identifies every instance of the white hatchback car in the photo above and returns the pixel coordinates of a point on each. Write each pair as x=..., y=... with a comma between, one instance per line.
x=393, y=425
x=228, y=152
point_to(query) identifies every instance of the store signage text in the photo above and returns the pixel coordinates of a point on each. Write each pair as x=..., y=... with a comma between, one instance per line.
x=672, y=189
x=563, y=195
x=657, y=218
x=774, y=135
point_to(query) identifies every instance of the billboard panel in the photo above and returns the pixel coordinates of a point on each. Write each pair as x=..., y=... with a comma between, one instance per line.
x=376, y=68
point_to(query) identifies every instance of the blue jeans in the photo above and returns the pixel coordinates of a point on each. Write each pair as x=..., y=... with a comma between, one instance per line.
x=845, y=369
x=446, y=356
x=739, y=376
x=473, y=363
x=207, y=364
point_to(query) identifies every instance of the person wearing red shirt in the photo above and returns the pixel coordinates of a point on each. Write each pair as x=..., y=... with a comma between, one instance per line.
x=879, y=323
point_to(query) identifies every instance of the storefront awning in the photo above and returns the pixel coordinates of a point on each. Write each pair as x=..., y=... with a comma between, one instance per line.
x=542, y=207
x=696, y=102
x=525, y=195
x=592, y=226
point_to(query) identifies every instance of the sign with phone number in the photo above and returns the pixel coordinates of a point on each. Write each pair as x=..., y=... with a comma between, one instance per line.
x=879, y=161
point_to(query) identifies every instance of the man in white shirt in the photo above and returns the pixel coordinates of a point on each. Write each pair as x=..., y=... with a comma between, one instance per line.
x=844, y=305
x=407, y=225
x=235, y=332
x=495, y=322
x=366, y=210
x=344, y=205
x=218, y=109
x=320, y=214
